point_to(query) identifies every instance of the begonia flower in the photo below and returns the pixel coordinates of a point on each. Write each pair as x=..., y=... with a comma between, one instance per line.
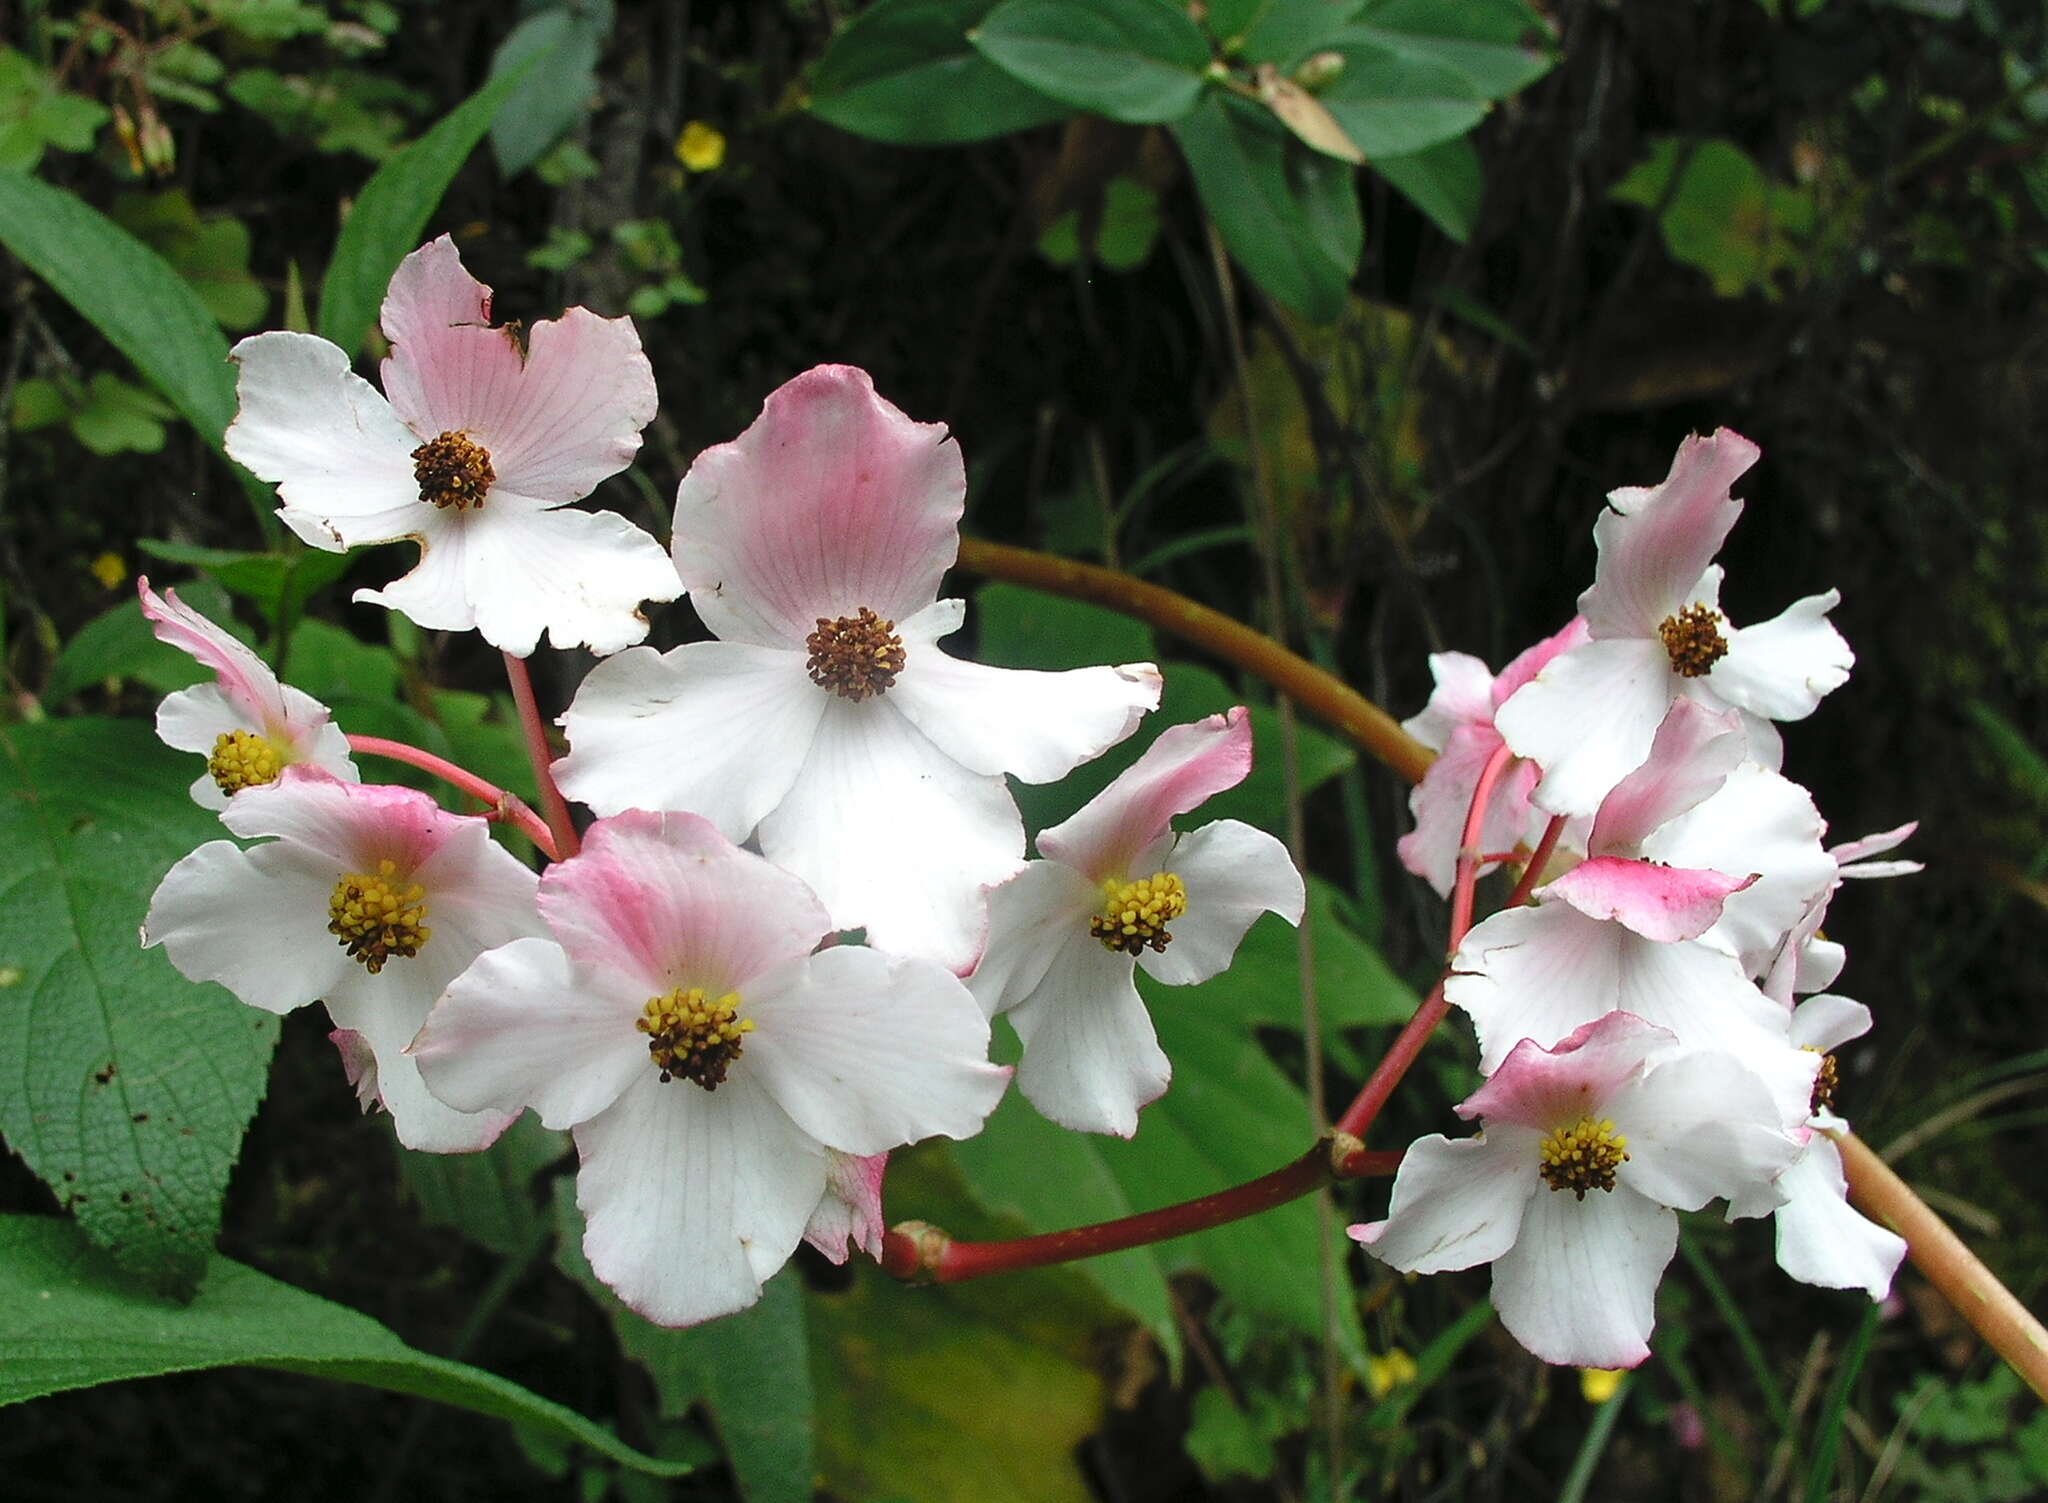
x=249, y=726
x=1569, y=1190
x=369, y=898
x=1658, y=633
x=825, y=723
x=709, y=1065
x=1821, y=1238
x=475, y=449
x=1458, y=724
x=1121, y=890
x=1806, y=961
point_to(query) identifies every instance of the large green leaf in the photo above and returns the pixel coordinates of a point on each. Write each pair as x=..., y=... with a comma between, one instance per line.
x=1282, y=32
x=133, y=1085
x=394, y=207
x=1392, y=103
x=1139, y=61
x=1445, y=181
x=128, y=292
x=73, y=1322
x=565, y=39
x=1288, y=217
x=903, y=71
x=1501, y=45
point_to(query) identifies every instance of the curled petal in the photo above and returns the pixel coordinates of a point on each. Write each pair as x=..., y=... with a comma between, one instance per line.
x=1183, y=768
x=1691, y=756
x=850, y=1214
x=1655, y=541
x=1536, y=1088
x=1658, y=902
x=1463, y=693
x=1781, y=669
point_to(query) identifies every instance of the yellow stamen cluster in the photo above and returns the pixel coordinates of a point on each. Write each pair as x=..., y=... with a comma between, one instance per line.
x=1693, y=640
x=854, y=656
x=693, y=1037
x=1135, y=914
x=1825, y=1083
x=1583, y=1156
x=243, y=759
x=376, y=918
x=453, y=470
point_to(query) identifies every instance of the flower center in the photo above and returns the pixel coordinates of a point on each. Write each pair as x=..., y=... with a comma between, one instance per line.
x=453, y=470
x=1135, y=914
x=376, y=917
x=243, y=759
x=1694, y=641
x=693, y=1037
x=855, y=656
x=1583, y=1156
x=1826, y=1082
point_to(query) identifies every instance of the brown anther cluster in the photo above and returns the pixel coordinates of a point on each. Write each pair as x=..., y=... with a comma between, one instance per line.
x=693, y=1037
x=376, y=919
x=1135, y=914
x=1694, y=641
x=243, y=759
x=453, y=470
x=854, y=656
x=1825, y=1084
x=1583, y=1156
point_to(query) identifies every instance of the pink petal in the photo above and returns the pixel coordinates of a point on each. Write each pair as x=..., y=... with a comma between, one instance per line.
x=1691, y=756
x=665, y=901
x=1463, y=694
x=1874, y=845
x=353, y=826
x=358, y=1063
x=1091, y=1056
x=1456, y=1204
x=1655, y=541
x=1182, y=769
x=1541, y=1088
x=1441, y=801
x=244, y=678
x=1658, y=902
x=1588, y=719
x=1781, y=669
x=851, y=1210
x=1233, y=874
x=1579, y=1287
x=831, y=501
x=1533, y=660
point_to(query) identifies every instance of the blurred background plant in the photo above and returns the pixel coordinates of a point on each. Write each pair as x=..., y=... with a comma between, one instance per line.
x=1340, y=315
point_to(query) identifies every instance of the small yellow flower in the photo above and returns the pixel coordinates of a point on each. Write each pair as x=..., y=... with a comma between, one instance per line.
x=110, y=569
x=1385, y=1374
x=701, y=147
x=1599, y=1384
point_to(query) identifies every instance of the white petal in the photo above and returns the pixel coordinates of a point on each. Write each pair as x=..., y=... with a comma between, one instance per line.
x=718, y=728
x=850, y=1214
x=1457, y=1203
x=1588, y=719
x=868, y=1052
x=1655, y=540
x=1030, y=917
x=1700, y=1126
x=1464, y=692
x=1233, y=873
x=694, y=1198
x=518, y=1029
x=384, y=1014
x=255, y=921
x=1579, y=1287
x=1822, y=1239
x=1827, y=1022
x=1782, y=668
x=1091, y=1057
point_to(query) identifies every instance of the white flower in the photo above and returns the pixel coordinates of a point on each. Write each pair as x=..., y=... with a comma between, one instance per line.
x=716, y=1073
x=249, y=725
x=825, y=723
x=370, y=898
x=483, y=438
x=1122, y=890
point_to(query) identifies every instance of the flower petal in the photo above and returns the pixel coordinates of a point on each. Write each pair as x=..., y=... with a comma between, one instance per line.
x=1827, y=1022
x=1691, y=756
x=1463, y=693
x=1039, y=726
x=1441, y=801
x=1700, y=1126
x=694, y=1198
x=1233, y=873
x=868, y=1052
x=832, y=500
x=1588, y=719
x=1821, y=1238
x=255, y=921
x=384, y=1012
x=1654, y=541
x=354, y=826
x=1537, y=1088
x=1457, y=1203
x=1663, y=903
x=1579, y=1287
x=1091, y=1057
x=1183, y=768
x=1030, y=917
x=718, y=728
x=851, y=1211
x=1781, y=669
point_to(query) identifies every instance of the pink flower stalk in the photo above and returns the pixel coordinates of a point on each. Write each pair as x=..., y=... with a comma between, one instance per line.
x=825, y=723
x=1458, y=723
x=1658, y=633
x=1569, y=1190
x=249, y=726
x=480, y=440
x=1121, y=890
x=717, y=1074
x=370, y=898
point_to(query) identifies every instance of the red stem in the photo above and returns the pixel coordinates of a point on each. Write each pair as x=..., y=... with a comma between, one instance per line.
x=1532, y=872
x=504, y=804
x=552, y=804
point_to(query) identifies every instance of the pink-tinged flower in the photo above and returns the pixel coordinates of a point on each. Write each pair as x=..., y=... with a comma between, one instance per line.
x=711, y=1066
x=370, y=898
x=1658, y=633
x=826, y=723
x=1569, y=1189
x=1805, y=961
x=1821, y=1238
x=1122, y=890
x=850, y=1215
x=249, y=726
x=1458, y=724
x=480, y=440
x=1620, y=932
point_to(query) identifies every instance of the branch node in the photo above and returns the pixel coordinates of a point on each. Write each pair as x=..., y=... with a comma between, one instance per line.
x=912, y=1250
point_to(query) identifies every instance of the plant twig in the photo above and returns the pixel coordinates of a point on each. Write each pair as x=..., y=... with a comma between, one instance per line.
x=504, y=804
x=567, y=843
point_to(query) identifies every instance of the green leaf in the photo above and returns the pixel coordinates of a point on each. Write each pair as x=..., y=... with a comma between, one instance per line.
x=1281, y=32
x=120, y=645
x=36, y=114
x=1289, y=218
x=1123, y=233
x=133, y=1084
x=1139, y=61
x=1445, y=181
x=330, y=663
x=490, y=1196
x=1393, y=104
x=393, y=209
x=74, y=1322
x=127, y=292
x=565, y=41
x=1502, y=46
x=115, y=417
x=210, y=252
x=1719, y=213
x=279, y=583
x=903, y=71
